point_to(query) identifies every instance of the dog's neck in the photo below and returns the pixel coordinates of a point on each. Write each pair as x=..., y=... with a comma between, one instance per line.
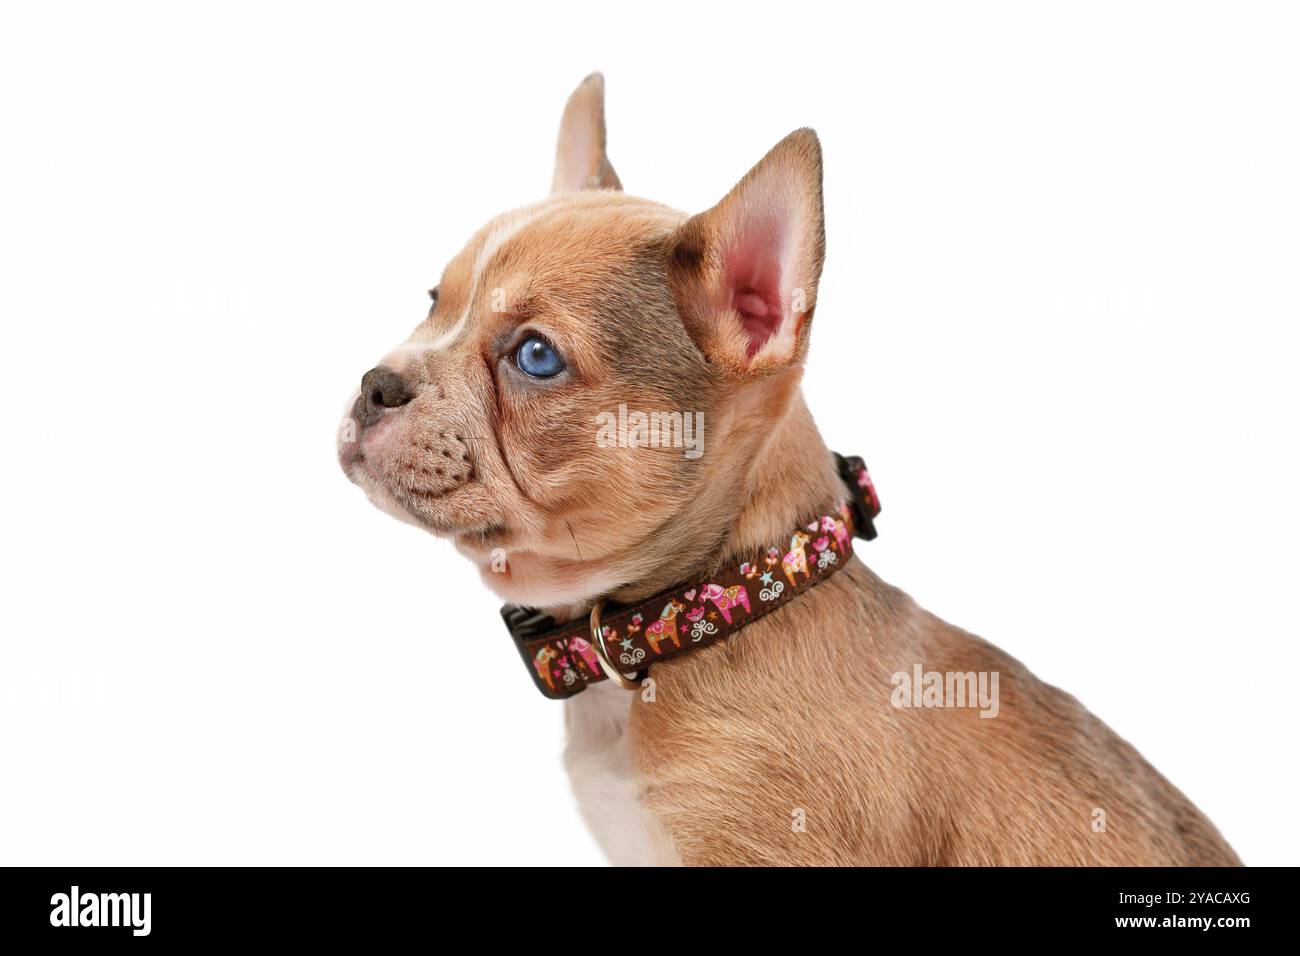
x=790, y=476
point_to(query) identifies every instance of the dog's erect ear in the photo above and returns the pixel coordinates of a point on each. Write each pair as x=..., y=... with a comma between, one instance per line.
x=580, y=160
x=745, y=272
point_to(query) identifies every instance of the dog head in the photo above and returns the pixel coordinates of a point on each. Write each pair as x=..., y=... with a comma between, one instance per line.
x=508, y=421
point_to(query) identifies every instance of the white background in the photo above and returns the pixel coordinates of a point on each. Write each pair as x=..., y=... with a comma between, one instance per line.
x=1061, y=292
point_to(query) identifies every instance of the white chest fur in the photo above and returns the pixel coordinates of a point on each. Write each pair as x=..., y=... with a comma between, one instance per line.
x=599, y=760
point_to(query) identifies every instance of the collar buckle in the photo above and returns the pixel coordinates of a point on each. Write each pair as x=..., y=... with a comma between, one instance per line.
x=864, y=501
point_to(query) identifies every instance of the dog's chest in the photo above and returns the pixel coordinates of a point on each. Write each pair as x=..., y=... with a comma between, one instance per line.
x=598, y=757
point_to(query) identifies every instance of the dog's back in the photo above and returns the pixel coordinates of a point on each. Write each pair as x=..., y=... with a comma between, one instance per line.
x=784, y=747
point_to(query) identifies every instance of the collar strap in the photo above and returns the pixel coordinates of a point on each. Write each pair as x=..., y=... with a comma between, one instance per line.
x=564, y=658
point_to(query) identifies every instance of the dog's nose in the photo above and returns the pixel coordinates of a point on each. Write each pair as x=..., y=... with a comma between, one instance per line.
x=383, y=388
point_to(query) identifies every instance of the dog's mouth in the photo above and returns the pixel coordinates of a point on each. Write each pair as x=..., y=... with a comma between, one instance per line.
x=427, y=510
x=438, y=510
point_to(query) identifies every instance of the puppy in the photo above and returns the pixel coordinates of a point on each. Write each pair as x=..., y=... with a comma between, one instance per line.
x=791, y=741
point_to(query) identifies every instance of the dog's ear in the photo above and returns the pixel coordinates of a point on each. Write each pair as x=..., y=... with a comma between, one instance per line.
x=580, y=160
x=745, y=273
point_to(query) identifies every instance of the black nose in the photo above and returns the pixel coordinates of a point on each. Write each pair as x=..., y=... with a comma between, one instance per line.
x=383, y=388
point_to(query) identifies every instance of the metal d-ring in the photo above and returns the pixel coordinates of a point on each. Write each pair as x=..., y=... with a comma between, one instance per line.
x=602, y=653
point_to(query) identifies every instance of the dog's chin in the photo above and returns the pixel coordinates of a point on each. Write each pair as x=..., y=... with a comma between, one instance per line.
x=381, y=496
x=519, y=577
x=477, y=537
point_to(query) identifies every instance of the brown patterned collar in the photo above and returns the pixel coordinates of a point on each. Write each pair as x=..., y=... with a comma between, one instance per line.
x=617, y=642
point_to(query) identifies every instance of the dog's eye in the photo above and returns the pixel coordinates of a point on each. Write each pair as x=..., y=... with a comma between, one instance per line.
x=433, y=298
x=538, y=358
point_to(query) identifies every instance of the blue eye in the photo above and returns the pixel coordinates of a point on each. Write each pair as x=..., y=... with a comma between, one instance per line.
x=538, y=358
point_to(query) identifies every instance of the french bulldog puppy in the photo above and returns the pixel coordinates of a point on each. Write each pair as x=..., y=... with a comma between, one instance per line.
x=808, y=737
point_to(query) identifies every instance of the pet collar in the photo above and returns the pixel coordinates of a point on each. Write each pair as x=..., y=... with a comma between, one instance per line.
x=565, y=658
